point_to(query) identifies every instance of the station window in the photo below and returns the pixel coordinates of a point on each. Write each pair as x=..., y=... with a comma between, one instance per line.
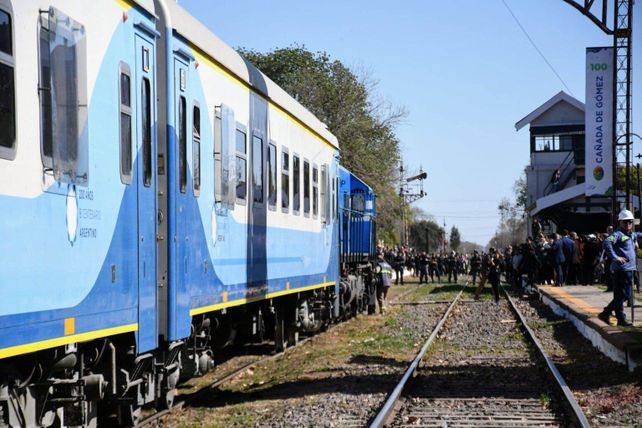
x=241, y=165
x=271, y=174
x=306, y=187
x=146, y=126
x=63, y=97
x=182, y=144
x=7, y=89
x=296, y=184
x=257, y=169
x=196, y=149
x=556, y=142
x=315, y=191
x=285, y=180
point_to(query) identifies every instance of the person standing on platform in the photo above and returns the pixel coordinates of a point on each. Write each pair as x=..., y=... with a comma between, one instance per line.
x=559, y=260
x=608, y=275
x=384, y=281
x=620, y=246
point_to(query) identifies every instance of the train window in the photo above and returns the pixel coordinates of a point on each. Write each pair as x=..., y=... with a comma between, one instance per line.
x=6, y=37
x=63, y=97
x=241, y=165
x=285, y=179
x=324, y=192
x=271, y=175
x=182, y=144
x=296, y=184
x=315, y=191
x=125, y=125
x=224, y=156
x=146, y=126
x=7, y=89
x=196, y=149
x=306, y=187
x=257, y=169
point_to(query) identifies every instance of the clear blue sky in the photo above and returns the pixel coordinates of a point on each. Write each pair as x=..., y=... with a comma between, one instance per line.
x=462, y=69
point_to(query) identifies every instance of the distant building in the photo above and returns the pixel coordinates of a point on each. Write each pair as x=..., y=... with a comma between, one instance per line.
x=555, y=176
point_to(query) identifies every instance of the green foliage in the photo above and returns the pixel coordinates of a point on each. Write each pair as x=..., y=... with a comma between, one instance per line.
x=455, y=238
x=344, y=102
x=426, y=235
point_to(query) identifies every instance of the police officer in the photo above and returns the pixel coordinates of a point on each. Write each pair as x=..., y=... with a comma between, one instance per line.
x=384, y=281
x=452, y=267
x=620, y=247
x=475, y=266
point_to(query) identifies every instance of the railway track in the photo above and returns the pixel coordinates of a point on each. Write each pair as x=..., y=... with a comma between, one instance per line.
x=186, y=399
x=489, y=370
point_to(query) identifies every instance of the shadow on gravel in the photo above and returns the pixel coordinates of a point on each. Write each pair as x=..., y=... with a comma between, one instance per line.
x=366, y=360
x=490, y=379
x=446, y=288
x=583, y=366
x=350, y=384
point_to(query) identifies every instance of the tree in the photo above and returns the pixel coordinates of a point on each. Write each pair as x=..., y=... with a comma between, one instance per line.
x=425, y=235
x=346, y=103
x=455, y=238
x=512, y=221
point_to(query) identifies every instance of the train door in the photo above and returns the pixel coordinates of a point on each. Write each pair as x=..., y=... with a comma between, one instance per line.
x=145, y=95
x=179, y=191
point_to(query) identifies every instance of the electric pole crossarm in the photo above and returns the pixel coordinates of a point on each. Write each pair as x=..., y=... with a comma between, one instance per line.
x=586, y=10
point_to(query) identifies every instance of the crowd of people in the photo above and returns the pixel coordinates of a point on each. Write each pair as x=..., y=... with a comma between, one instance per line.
x=556, y=259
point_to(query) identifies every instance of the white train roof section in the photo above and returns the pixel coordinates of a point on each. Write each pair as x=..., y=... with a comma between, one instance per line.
x=201, y=37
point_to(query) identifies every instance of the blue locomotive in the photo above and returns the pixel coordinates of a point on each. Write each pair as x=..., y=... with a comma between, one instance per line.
x=160, y=197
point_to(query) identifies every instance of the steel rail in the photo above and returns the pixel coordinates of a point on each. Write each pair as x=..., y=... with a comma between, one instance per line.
x=388, y=408
x=187, y=398
x=576, y=411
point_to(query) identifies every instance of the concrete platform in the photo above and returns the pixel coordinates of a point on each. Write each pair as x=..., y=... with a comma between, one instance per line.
x=581, y=305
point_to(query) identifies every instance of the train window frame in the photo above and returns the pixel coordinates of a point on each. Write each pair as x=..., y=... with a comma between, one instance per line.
x=306, y=188
x=242, y=157
x=285, y=180
x=64, y=133
x=182, y=144
x=315, y=191
x=196, y=148
x=272, y=174
x=323, y=203
x=146, y=126
x=256, y=136
x=7, y=61
x=296, y=184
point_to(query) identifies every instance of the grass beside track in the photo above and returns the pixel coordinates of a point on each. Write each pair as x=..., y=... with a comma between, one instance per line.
x=307, y=372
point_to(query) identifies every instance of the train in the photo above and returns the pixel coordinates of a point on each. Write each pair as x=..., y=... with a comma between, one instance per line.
x=161, y=198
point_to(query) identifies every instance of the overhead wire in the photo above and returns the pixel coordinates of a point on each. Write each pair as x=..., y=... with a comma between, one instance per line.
x=536, y=48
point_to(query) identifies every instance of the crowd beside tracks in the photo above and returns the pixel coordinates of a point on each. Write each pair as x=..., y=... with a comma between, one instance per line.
x=556, y=259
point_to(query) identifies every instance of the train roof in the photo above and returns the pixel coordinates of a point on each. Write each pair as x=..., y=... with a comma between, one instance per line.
x=204, y=40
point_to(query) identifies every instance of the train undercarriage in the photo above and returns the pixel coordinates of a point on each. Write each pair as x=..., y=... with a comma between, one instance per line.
x=105, y=381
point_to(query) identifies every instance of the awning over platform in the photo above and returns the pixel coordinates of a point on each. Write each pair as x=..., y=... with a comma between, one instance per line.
x=558, y=197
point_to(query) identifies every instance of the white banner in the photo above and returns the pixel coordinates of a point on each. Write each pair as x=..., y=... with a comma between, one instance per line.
x=599, y=121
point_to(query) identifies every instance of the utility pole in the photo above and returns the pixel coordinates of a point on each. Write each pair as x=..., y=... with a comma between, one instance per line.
x=622, y=32
x=409, y=193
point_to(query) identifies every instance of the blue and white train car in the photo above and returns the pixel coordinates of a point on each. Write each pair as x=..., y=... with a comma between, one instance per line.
x=159, y=196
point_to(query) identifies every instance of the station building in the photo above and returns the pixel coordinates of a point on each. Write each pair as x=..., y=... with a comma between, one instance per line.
x=556, y=173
